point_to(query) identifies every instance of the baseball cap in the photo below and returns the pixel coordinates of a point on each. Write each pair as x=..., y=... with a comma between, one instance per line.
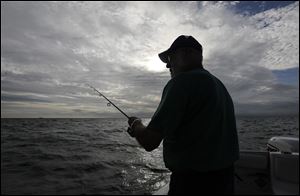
x=183, y=41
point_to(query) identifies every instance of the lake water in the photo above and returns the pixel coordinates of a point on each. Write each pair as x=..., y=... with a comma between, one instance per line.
x=96, y=156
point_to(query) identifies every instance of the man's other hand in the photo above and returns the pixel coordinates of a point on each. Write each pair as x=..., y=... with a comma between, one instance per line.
x=132, y=120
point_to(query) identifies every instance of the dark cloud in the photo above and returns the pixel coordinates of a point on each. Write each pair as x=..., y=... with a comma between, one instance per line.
x=50, y=50
x=272, y=108
x=17, y=98
x=26, y=77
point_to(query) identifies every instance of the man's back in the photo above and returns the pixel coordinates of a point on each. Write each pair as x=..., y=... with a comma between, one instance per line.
x=196, y=121
x=197, y=117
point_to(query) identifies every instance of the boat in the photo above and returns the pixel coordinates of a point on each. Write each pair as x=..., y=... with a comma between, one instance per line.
x=274, y=171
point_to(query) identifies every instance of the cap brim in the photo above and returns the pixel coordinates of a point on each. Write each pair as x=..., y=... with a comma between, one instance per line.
x=164, y=56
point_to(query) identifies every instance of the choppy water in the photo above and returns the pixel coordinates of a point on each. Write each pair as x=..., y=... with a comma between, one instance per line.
x=96, y=156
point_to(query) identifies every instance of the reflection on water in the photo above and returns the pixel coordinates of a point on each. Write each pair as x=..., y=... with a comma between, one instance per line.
x=96, y=156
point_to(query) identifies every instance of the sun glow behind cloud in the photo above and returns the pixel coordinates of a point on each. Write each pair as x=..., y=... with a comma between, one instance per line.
x=153, y=63
x=51, y=48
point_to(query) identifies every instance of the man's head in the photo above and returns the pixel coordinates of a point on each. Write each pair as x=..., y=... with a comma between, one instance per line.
x=184, y=54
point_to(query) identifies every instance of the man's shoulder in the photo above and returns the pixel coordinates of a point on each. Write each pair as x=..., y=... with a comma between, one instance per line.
x=194, y=78
x=175, y=83
x=198, y=77
x=197, y=73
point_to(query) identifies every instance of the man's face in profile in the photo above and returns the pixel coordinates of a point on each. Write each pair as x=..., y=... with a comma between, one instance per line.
x=174, y=64
x=169, y=66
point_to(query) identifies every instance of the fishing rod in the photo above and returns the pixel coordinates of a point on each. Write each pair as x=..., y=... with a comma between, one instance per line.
x=101, y=95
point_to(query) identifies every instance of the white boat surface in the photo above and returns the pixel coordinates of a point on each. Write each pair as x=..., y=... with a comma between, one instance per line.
x=271, y=172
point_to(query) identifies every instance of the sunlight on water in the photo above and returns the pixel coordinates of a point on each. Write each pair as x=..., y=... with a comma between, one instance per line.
x=96, y=156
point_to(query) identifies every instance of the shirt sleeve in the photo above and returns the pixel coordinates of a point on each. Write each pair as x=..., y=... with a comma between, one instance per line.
x=171, y=110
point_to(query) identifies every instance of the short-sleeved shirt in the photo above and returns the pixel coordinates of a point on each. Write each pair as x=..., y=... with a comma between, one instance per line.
x=197, y=120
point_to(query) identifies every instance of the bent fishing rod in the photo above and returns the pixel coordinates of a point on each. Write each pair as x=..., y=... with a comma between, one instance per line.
x=101, y=95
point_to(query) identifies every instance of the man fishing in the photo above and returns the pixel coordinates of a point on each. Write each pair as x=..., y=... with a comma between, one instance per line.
x=196, y=121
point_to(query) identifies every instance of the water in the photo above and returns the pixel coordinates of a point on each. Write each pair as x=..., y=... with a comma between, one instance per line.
x=96, y=156
x=254, y=132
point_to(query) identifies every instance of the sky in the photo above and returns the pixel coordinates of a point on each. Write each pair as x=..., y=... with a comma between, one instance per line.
x=51, y=50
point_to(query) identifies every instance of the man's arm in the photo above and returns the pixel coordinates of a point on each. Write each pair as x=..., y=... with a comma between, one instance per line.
x=148, y=139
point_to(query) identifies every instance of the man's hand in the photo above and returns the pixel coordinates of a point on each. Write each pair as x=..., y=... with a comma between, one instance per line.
x=148, y=139
x=132, y=122
x=130, y=132
x=131, y=119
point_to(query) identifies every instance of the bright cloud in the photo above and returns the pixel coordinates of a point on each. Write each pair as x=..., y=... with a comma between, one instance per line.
x=50, y=50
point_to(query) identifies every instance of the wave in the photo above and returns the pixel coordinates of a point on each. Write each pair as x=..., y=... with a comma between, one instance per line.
x=96, y=156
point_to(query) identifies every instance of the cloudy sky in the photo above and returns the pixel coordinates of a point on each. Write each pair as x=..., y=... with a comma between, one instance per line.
x=50, y=50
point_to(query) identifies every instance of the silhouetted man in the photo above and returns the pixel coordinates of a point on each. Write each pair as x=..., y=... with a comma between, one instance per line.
x=196, y=121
